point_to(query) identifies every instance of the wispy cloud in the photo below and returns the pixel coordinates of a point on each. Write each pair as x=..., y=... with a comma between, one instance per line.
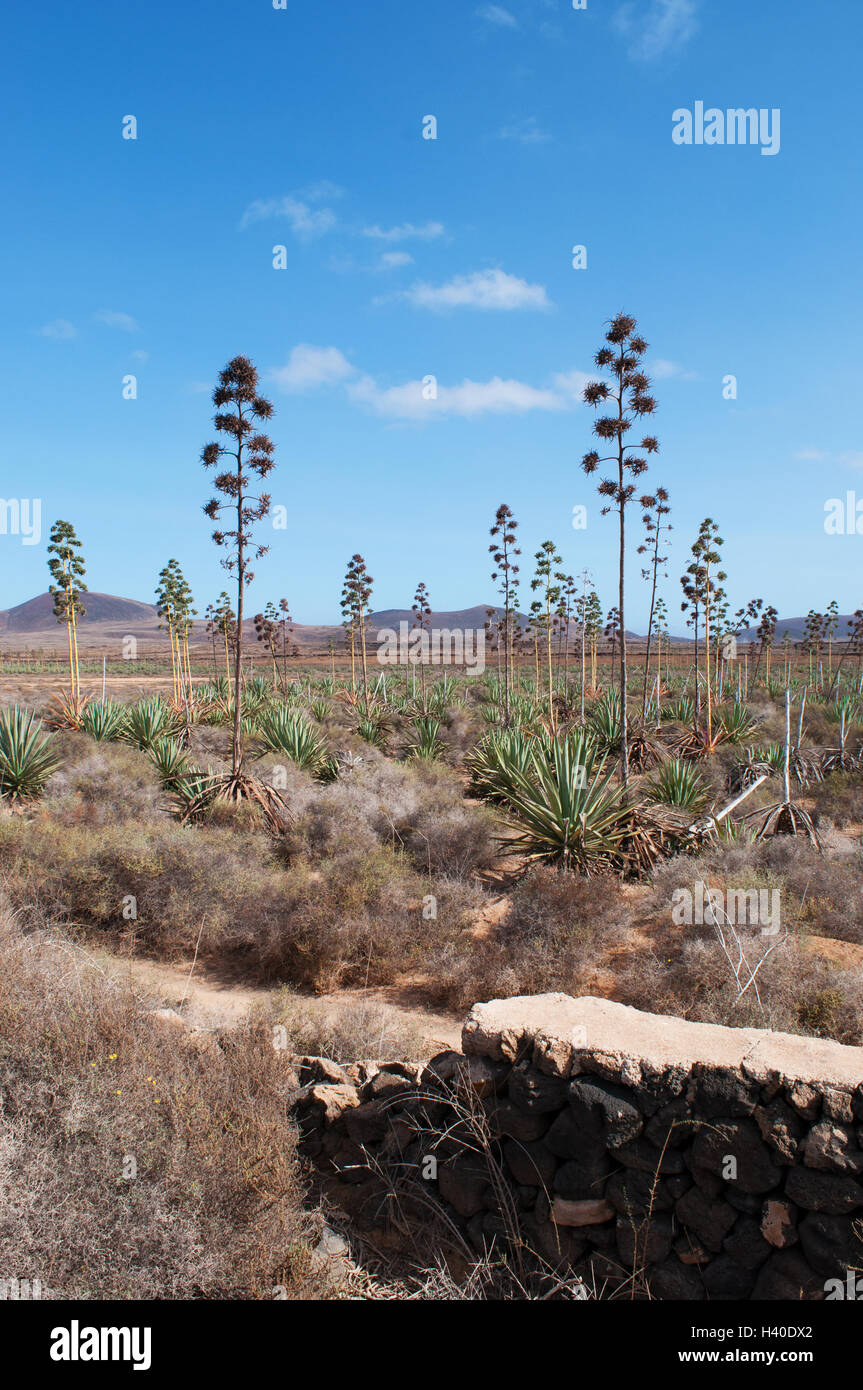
x=113, y=319
x=663, y=369
x=309, y=367
x=306, y=220
x=525, y=132
x=467, y=400
x=656, y=27
x=391, y=260
x=484, y=289
x=59, y=329
x=848, y=458
x=406, y=231
x=496, y=14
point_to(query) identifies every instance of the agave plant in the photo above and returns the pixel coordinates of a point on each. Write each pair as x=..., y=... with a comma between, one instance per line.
x=426, y=742
x=170, y=759
x=374, y=731
x=677, y=783
x=845, y=711
x=104, y=720
x=737, y=722
x=732, y=832
x=148, y=721
x=680, y=711
x=194, y=791
x=66, y=710
x=282, y=731
x=566, y=808
x=604, y=721
x=320, y=710
x=27, y=756
x=495, y=757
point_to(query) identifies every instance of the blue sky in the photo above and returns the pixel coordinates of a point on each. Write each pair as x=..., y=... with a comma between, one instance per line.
x=408, y=258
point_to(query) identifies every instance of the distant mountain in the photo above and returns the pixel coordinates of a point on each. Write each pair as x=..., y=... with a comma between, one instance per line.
x=464, y=619
x=109, y=616
x=796, y=626
x=37, y=614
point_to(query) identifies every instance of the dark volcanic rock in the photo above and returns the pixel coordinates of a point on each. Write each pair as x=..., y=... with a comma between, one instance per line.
x=620, y=1117
x=830, y=1244
x=531, y=1164
x=787, y=1276
x=833, y=1193
x=531, y=1090
x=709, y=1221
x=737, y=1144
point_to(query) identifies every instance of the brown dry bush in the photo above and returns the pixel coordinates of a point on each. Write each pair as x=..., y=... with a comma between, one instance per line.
x=353, y=918
x=363, y=918
x=100, y=784
x=819, y=894
x=800, y=992
x=410, y=806
x=89, y=1081
x=361, y=1029
x=339, y=901
x=839, y=798
x=555, y=931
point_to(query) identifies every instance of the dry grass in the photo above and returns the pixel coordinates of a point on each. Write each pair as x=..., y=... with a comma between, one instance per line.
x=94, y=1090
x=555, y=931
x=359, y=1030
x=342, y=901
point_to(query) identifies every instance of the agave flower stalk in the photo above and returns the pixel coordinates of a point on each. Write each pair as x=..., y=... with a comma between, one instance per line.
x=251, y=454
x=66, y=566
x=630, y=399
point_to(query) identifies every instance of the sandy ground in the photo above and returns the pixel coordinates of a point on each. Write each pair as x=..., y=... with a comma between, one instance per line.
x=210, y=1000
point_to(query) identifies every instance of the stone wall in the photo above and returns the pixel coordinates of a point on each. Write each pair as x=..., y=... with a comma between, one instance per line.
x=631, y=1150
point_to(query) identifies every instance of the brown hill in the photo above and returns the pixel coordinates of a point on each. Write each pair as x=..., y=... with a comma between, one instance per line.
x=37, y=614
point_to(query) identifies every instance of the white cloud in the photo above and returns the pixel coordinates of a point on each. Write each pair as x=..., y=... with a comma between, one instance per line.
x=496, y=14
x=428, y=231
x=663, y=370
x=849, y=458
x=141, y=355
x=468, y=400
x=117, y=320
x=571, y=384
x=309, y=367
x=59, y=329
x=526, y=132
x=391, y=260
x=656, y=27
x=306, y=222
x=484, y=289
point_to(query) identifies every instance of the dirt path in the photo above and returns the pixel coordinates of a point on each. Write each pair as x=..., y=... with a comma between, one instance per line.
x=208, y=999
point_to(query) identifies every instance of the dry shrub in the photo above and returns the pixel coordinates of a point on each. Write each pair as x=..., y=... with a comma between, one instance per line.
x=362, y=1029
x=839, y=798
x=800, y=992
x=358, y=919
x=557, y=927
x=455, y=840
x=819, y=894
x=355, y=917
x=101, y=784
x=88, y=1082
